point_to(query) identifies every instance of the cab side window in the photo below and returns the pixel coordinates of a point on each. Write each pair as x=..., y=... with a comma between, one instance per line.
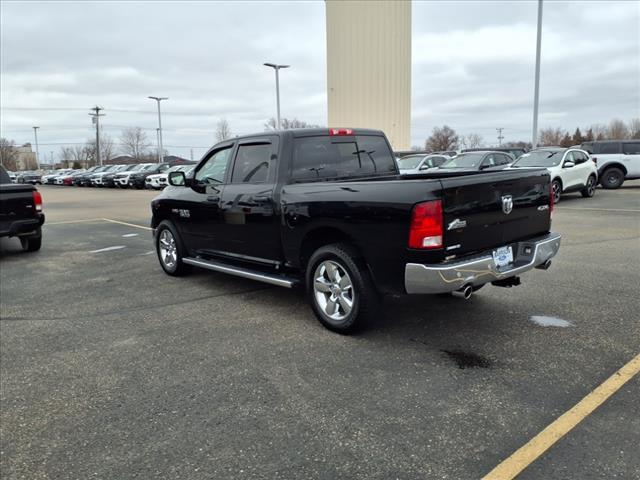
x=252, y=163
x=215, y=167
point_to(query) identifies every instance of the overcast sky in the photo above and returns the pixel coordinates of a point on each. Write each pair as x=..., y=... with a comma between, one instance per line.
x=473, y=67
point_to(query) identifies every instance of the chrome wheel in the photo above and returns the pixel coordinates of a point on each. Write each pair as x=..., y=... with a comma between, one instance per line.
x=333, y=290
x=591, y=186
x=167, y=248
x=557, y=190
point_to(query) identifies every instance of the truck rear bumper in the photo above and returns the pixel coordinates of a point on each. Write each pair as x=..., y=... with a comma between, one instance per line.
x=480, y=269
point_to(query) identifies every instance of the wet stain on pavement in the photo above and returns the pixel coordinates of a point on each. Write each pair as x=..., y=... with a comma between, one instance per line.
x=468, y=359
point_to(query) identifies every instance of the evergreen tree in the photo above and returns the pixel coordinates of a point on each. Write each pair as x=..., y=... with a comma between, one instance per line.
x=577, y=137
x=566, y=141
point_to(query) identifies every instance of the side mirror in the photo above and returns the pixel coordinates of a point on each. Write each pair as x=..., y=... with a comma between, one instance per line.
x=177, y=179
x=424, y=167
x=568, y=164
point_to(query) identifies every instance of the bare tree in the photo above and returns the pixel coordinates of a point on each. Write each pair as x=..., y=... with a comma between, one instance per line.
x=472, y=140
x=600, y=131
x=222, y=130
x=634, y=128
x=550, y=136
x=617, y=130
x=8, y=154
x=519, y=144
x=134, y=142
x=287, y=124
x=442, y=139
x=107, y=149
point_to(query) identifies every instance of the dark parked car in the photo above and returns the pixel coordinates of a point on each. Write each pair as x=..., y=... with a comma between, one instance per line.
x=137, y=179
x=84, y=179
x=515, y=151
x=482, y=160
x=34, y=178
x=328, y=209
x=20, y=212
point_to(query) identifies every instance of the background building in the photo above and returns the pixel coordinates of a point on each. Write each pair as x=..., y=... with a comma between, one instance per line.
x=369, y=66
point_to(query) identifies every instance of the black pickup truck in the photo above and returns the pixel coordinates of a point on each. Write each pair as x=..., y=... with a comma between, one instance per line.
x=327, y=209
x=20, y=212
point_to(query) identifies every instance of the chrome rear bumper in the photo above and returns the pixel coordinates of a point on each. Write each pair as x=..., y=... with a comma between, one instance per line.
x=478, y=270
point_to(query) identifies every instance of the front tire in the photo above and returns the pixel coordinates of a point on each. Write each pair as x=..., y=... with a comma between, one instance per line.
x=340, y=289
x=612, y=178
x=170, y=250
x=556, y=188
x=590, y=190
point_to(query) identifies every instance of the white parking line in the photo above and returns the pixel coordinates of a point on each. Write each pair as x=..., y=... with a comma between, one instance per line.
x=108, y=249
x=127, y=235
x=75, y=221
x=600, y=209
x=125, y=223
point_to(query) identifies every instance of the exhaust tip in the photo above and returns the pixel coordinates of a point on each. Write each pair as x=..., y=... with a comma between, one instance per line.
x=464, y=292
x=545, y=265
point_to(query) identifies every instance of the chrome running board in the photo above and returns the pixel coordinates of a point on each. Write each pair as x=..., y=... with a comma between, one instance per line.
x=273, y=279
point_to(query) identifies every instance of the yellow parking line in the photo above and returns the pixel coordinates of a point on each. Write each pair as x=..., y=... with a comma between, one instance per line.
x=127, y=224
x=539, y=444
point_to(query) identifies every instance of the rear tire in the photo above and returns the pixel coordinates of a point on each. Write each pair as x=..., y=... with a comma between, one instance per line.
x=170, y=250
x=612, y=178
x=33, y=243
x=556, y=188
x=340, y=289
x=590, y=190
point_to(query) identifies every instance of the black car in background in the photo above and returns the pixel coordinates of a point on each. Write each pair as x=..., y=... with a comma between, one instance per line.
x=515, y=151
x=137, y=179
x=29, y=177
x=84, y=179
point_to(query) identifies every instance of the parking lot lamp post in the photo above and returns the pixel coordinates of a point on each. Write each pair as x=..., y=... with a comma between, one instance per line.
x=35, y=132
x=277, y=68
x=534, y=139
x=160, y=150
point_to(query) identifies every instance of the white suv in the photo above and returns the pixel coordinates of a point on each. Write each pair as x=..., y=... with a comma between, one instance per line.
x=617, y=160
x=571, y=169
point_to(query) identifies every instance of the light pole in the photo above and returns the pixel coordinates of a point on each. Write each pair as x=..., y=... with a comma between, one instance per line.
x=534, y=138
x=160, y=150
x=277, y=68
x=35, y=132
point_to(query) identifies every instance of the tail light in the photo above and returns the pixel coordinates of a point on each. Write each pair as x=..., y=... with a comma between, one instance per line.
x=426, y=225
x=37, y=201
x=340, y=131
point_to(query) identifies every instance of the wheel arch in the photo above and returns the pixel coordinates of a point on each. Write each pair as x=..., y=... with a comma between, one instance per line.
x=606, y=166
x=318, y=237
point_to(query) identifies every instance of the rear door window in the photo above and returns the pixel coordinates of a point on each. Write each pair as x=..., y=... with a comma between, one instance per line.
x=336, y=157
x=631, y=148
x=608, y=147
x=252, y=163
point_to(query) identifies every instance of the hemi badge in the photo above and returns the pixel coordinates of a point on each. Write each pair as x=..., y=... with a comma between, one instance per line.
x=457, y=223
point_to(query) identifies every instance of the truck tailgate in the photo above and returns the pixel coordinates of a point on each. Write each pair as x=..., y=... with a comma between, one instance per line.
x=16, y=203
x=490, y=210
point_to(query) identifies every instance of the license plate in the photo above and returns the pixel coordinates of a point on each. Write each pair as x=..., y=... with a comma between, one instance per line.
x=503, y=256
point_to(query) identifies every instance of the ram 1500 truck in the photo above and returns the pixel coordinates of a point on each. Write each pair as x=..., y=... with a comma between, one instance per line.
x=20, y=212
x=327, y=209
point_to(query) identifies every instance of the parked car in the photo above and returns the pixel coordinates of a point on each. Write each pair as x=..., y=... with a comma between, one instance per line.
x=571, y=169
x=327, y=209
x=121, y=179
x=516, y=152
x=84, y=179
x=20, y=212
x=96, y=178
x=137, y=178
x=109, y=180
x=412, y=164
x=12, y=176
x=158, y=181
x=617, y=160
x=67, y=178
x=481, y=160
x=32, y=177
x=50, y=177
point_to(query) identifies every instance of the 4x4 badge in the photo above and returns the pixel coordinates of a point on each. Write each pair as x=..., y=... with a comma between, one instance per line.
x=507, y=204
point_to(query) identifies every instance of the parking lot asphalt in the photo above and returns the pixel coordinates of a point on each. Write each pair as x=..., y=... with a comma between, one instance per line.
x=111, y=369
